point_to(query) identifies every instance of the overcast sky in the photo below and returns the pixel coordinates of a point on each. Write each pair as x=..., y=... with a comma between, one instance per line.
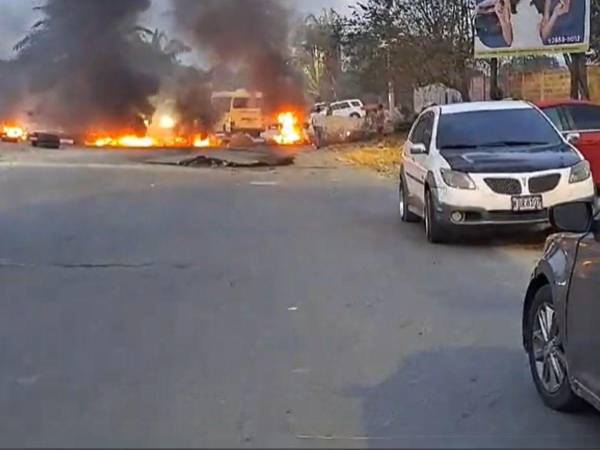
x=16, y=16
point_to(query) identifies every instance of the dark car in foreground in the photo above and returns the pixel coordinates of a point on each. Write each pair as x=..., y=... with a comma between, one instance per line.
x=561, y=329
x=583, y=118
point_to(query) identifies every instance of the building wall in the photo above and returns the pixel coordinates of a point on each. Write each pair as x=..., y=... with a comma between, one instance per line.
x=550, y=85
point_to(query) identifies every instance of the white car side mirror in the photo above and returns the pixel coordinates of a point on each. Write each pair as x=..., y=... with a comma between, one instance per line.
x=417, y=149
x=573, y=138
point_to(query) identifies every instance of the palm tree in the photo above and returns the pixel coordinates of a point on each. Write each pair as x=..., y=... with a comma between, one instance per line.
x=160, y=43
x=320, y=53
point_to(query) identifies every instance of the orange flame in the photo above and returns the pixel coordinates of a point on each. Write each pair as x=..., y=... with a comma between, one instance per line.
x=123, y=141
x=290, y=132
x=167, y=122
x=200, y=142
x=134, y=141
x=13, y=132
x=101, y=142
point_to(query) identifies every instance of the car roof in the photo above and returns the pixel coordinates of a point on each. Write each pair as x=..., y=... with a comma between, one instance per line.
x=456, y=108
x=563, y=102
x=347, y=100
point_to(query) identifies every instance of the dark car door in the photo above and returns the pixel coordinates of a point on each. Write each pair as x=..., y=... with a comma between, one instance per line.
x=583, y=316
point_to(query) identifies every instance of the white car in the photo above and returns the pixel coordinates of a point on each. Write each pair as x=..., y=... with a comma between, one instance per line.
x=348, y=108
x=487, y=163
x=319, y=108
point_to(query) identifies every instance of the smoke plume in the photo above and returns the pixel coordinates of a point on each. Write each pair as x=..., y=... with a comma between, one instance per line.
x=78, y=61
x=193, y=101
x=252, y=34
x=11, y=89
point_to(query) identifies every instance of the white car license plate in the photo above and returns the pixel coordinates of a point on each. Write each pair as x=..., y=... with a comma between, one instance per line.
x=527, y=203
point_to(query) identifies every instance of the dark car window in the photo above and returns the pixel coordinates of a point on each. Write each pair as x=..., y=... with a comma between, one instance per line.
x=497, y=127
x=554, y=114
x=241, y=103
x=428, y=120
x=584, y=117
x=416, y=137
x=338, y=106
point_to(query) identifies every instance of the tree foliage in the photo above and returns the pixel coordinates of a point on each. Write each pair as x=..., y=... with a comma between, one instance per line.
x=318, y=53
x=525, y=64
x=412, y=41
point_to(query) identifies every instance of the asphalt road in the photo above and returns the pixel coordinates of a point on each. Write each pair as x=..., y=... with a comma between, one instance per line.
x=161, y=306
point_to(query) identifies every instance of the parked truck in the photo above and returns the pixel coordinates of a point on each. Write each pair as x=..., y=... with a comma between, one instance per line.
x=239, y=111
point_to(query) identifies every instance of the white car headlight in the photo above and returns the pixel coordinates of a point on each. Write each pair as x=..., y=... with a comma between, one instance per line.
x=457, y=180
x=580, y=172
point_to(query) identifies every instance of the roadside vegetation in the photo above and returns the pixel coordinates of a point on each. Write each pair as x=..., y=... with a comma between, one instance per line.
x=383, y=155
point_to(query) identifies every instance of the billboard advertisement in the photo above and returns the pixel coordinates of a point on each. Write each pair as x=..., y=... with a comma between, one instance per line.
x=529, y=27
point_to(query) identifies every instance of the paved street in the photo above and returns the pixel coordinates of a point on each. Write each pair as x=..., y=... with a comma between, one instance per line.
x=162, y=306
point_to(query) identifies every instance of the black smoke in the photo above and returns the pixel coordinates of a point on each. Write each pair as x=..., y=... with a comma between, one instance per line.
x=193, y=101
x=11, y=89
x=78, y=65
x=250, y=34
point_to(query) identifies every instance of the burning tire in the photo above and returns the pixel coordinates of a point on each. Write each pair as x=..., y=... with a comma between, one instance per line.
x=45, y=140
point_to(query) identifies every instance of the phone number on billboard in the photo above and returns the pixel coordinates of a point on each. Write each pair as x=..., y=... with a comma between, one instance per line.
x=564, y=39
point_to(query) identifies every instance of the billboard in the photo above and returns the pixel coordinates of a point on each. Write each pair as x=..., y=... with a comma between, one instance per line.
x=529, y=27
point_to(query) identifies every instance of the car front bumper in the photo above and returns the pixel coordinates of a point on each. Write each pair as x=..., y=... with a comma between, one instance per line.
x=477, y=216
x=482, y=206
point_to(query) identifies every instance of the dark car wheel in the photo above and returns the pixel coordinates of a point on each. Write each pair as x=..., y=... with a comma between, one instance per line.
x=436, y=232
x=405, y=214
x=546, y=355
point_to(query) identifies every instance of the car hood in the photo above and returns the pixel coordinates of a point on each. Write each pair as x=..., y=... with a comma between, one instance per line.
x=511, y=159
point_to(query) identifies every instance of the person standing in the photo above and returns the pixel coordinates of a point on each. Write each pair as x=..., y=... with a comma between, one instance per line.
x=316, y=122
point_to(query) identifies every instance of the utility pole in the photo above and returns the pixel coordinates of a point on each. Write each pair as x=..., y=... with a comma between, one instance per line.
x=391, y=86
x=579, y=81
x=494, y=88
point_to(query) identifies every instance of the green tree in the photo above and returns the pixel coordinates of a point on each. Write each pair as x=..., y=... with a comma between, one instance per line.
x=525, y=64
x=160, y=44
x=413, y=41
x=318, y=53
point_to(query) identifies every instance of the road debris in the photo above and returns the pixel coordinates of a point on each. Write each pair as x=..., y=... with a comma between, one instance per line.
x=228, y=158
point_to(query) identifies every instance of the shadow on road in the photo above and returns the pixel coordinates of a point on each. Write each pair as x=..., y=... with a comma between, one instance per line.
x=523, y=236
x=468, y=397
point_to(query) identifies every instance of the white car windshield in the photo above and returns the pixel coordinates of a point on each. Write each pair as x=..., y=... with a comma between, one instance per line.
x=510, y=127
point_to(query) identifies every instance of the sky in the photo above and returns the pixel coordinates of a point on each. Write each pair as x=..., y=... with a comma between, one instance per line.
x=17, y=16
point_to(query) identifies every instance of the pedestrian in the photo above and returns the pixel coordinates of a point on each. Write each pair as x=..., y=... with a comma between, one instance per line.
x=318, y=130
